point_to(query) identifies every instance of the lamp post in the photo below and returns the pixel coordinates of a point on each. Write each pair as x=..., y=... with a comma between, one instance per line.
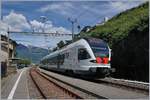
x=43, y=20
x=73, y=21
x=8, y=47
x=31, y=26
x=1, y=10
x=29, y=48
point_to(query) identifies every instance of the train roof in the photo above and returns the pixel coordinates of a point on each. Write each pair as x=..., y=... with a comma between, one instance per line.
x=94, y=39
x=81, y=42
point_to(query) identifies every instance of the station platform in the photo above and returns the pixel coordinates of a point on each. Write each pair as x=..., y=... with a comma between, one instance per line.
x=15, y=86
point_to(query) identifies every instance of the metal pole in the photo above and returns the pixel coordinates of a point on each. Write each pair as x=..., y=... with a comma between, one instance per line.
x=8, y=49
x=72, y=31
x=1, y=10
x=31, y=26
x=72, y=22
x=44, y=19
x=30, y=52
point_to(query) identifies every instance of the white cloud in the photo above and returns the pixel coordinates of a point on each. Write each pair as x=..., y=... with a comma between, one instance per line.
x=36, y=25
x=90, y=9
x=3, y=28
x=58, y=29
x=64, y=8
x=119, y=5
x=48, y=27
x=50, y=7
x=18, y=22
x=124, y=5
x=56, y=6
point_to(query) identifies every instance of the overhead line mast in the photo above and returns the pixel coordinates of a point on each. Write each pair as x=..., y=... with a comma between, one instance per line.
x=73, y=21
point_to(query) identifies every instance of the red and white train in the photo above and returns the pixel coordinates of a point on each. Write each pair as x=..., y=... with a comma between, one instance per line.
x=87, y=56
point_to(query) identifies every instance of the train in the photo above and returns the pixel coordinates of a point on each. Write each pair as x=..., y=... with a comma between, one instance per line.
x=87, y=56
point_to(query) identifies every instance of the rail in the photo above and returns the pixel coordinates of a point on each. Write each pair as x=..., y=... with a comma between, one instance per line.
x=139, y=86
x=34, y=72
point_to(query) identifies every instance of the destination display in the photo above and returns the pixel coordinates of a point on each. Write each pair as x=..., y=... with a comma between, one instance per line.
x=93, y=42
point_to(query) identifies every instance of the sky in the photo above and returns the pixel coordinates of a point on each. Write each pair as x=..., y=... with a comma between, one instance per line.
x=18, y=14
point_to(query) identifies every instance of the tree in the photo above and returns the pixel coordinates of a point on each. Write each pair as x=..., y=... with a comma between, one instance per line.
x=25, y=61
x=54, y=49
x=61, y=44
x=68, y=42
x=86, y=28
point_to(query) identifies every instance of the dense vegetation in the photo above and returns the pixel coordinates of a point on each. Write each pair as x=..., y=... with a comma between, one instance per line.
x=128, y=36
x=24, y=61
x=120, y=25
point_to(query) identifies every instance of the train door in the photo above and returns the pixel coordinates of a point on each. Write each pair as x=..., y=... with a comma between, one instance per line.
x=72, y=58
x=75, y=58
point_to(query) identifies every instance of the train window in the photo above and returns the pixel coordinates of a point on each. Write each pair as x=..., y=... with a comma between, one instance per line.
x=66, y=55
x=60, y=59
x=83, y=54
x=100, y=52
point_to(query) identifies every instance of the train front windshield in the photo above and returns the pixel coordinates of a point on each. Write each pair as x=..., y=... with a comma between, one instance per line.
x=99, y=47
x=100, y=52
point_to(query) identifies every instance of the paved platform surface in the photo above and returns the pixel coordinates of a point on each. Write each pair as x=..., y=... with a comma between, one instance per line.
x=15, y=86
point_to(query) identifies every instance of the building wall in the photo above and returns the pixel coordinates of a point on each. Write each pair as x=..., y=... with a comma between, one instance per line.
x=4, y=54
x=4, y=48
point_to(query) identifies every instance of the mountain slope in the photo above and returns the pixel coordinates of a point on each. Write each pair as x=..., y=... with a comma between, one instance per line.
x=31, y=52
x=120, y=25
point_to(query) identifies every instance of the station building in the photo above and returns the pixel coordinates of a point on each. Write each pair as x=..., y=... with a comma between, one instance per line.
x=7, y=55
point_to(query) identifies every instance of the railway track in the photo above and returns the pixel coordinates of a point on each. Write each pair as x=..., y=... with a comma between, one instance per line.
x=87, y=89
x=128, y=84
x=50, y=89
x=120, y=83
x=83, y=93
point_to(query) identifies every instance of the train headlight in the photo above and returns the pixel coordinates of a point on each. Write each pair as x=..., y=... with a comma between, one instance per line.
x=105, y=60
x=99, y=60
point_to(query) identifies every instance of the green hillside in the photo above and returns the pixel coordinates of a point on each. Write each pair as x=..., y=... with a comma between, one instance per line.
x=128, y=36
x=120, y=25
